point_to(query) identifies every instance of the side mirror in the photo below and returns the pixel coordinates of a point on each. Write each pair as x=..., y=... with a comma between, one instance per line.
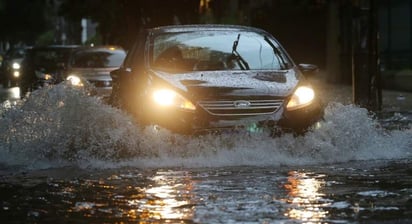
x=308, y=69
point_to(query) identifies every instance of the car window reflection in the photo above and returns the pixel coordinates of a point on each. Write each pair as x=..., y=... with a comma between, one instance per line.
x=96, y=59
x=49, y=58
x=192, y=51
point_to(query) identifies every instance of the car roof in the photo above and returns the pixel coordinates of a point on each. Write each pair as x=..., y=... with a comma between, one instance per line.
x=101, y=47
x=16, y=52
x=55, y=47
x=204, y=27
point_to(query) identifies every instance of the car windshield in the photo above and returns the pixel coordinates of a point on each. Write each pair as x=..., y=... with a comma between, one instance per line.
x=16, y=53
x=98, y=58
x=212, y=50
x=50, y=58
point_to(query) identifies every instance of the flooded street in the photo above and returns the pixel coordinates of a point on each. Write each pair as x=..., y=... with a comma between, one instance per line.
x=69, y=158
x=378, y=191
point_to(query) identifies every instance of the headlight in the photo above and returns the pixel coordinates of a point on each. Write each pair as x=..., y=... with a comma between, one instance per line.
x=302, y=97
x=169, y=98
x=74, y=80
x=42, y=75
x=16, y=74
x=16, y=66
x=48, y=77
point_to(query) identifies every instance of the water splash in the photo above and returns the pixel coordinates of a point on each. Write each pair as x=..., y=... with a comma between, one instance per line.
x=60, y=126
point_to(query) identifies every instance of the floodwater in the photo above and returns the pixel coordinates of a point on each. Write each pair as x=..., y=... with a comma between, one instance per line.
x=66, y=157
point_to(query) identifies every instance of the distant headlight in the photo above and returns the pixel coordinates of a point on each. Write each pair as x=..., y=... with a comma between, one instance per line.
x=16, y=66
x=74, y=80
x=169, y=98
x=48, y=76
x=302, y=97
x=16, y=74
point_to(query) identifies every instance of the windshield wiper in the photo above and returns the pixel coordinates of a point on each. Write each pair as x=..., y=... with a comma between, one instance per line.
x=277, y=53
x=240, y=60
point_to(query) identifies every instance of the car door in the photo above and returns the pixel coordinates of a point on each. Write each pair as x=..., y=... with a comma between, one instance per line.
x=127, y=79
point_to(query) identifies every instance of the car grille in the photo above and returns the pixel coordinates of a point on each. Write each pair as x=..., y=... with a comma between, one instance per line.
x=241, y=107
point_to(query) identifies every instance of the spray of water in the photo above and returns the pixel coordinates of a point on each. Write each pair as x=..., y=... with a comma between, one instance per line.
x=60, y=126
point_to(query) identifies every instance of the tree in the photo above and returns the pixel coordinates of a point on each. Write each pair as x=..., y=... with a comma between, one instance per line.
x=23, y=20
x=119, y=21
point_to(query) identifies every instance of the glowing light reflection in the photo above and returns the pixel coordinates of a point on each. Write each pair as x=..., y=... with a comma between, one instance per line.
x=306, y=197
x=168, y=198
x=14, y=93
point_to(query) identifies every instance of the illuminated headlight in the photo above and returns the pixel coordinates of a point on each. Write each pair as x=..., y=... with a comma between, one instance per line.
x=16, y=66
x=48, y=76
x=107, y=83
x=16, y=74
x=303, y=96
x=74, y=80
x=169, y=98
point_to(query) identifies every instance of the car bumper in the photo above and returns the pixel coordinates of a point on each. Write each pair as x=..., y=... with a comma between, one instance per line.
x=201, y=122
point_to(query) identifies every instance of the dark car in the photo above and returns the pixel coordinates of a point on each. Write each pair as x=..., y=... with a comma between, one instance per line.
x=10, y=68
x=93, y=65
x=45, y=65
x=195, y=78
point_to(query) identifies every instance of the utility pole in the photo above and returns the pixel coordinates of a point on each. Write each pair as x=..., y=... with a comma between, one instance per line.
x=366, y=79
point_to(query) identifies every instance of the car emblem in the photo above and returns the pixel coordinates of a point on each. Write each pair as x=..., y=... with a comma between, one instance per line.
x=241, y=103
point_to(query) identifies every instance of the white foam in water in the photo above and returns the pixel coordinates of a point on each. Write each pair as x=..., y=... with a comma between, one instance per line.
x=60, y=126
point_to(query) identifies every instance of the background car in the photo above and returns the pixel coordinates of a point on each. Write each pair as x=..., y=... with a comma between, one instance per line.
x=10, y=68
x=44, y=66
x=195, y=78
x=93, y=65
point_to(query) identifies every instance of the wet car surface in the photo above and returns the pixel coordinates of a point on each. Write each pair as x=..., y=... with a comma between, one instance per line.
x=209, y=77
x=94, y=64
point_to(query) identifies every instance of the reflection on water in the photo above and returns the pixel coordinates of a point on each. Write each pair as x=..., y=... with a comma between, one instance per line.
x=162, y=196
x=305, y=197
x=14, y=93
x=9, y=97
x=9, y=93
x=227, y=195
x=169, y=198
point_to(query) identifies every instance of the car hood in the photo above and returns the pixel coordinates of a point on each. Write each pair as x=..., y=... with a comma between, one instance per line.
x=209, y=84
x=92, y=73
